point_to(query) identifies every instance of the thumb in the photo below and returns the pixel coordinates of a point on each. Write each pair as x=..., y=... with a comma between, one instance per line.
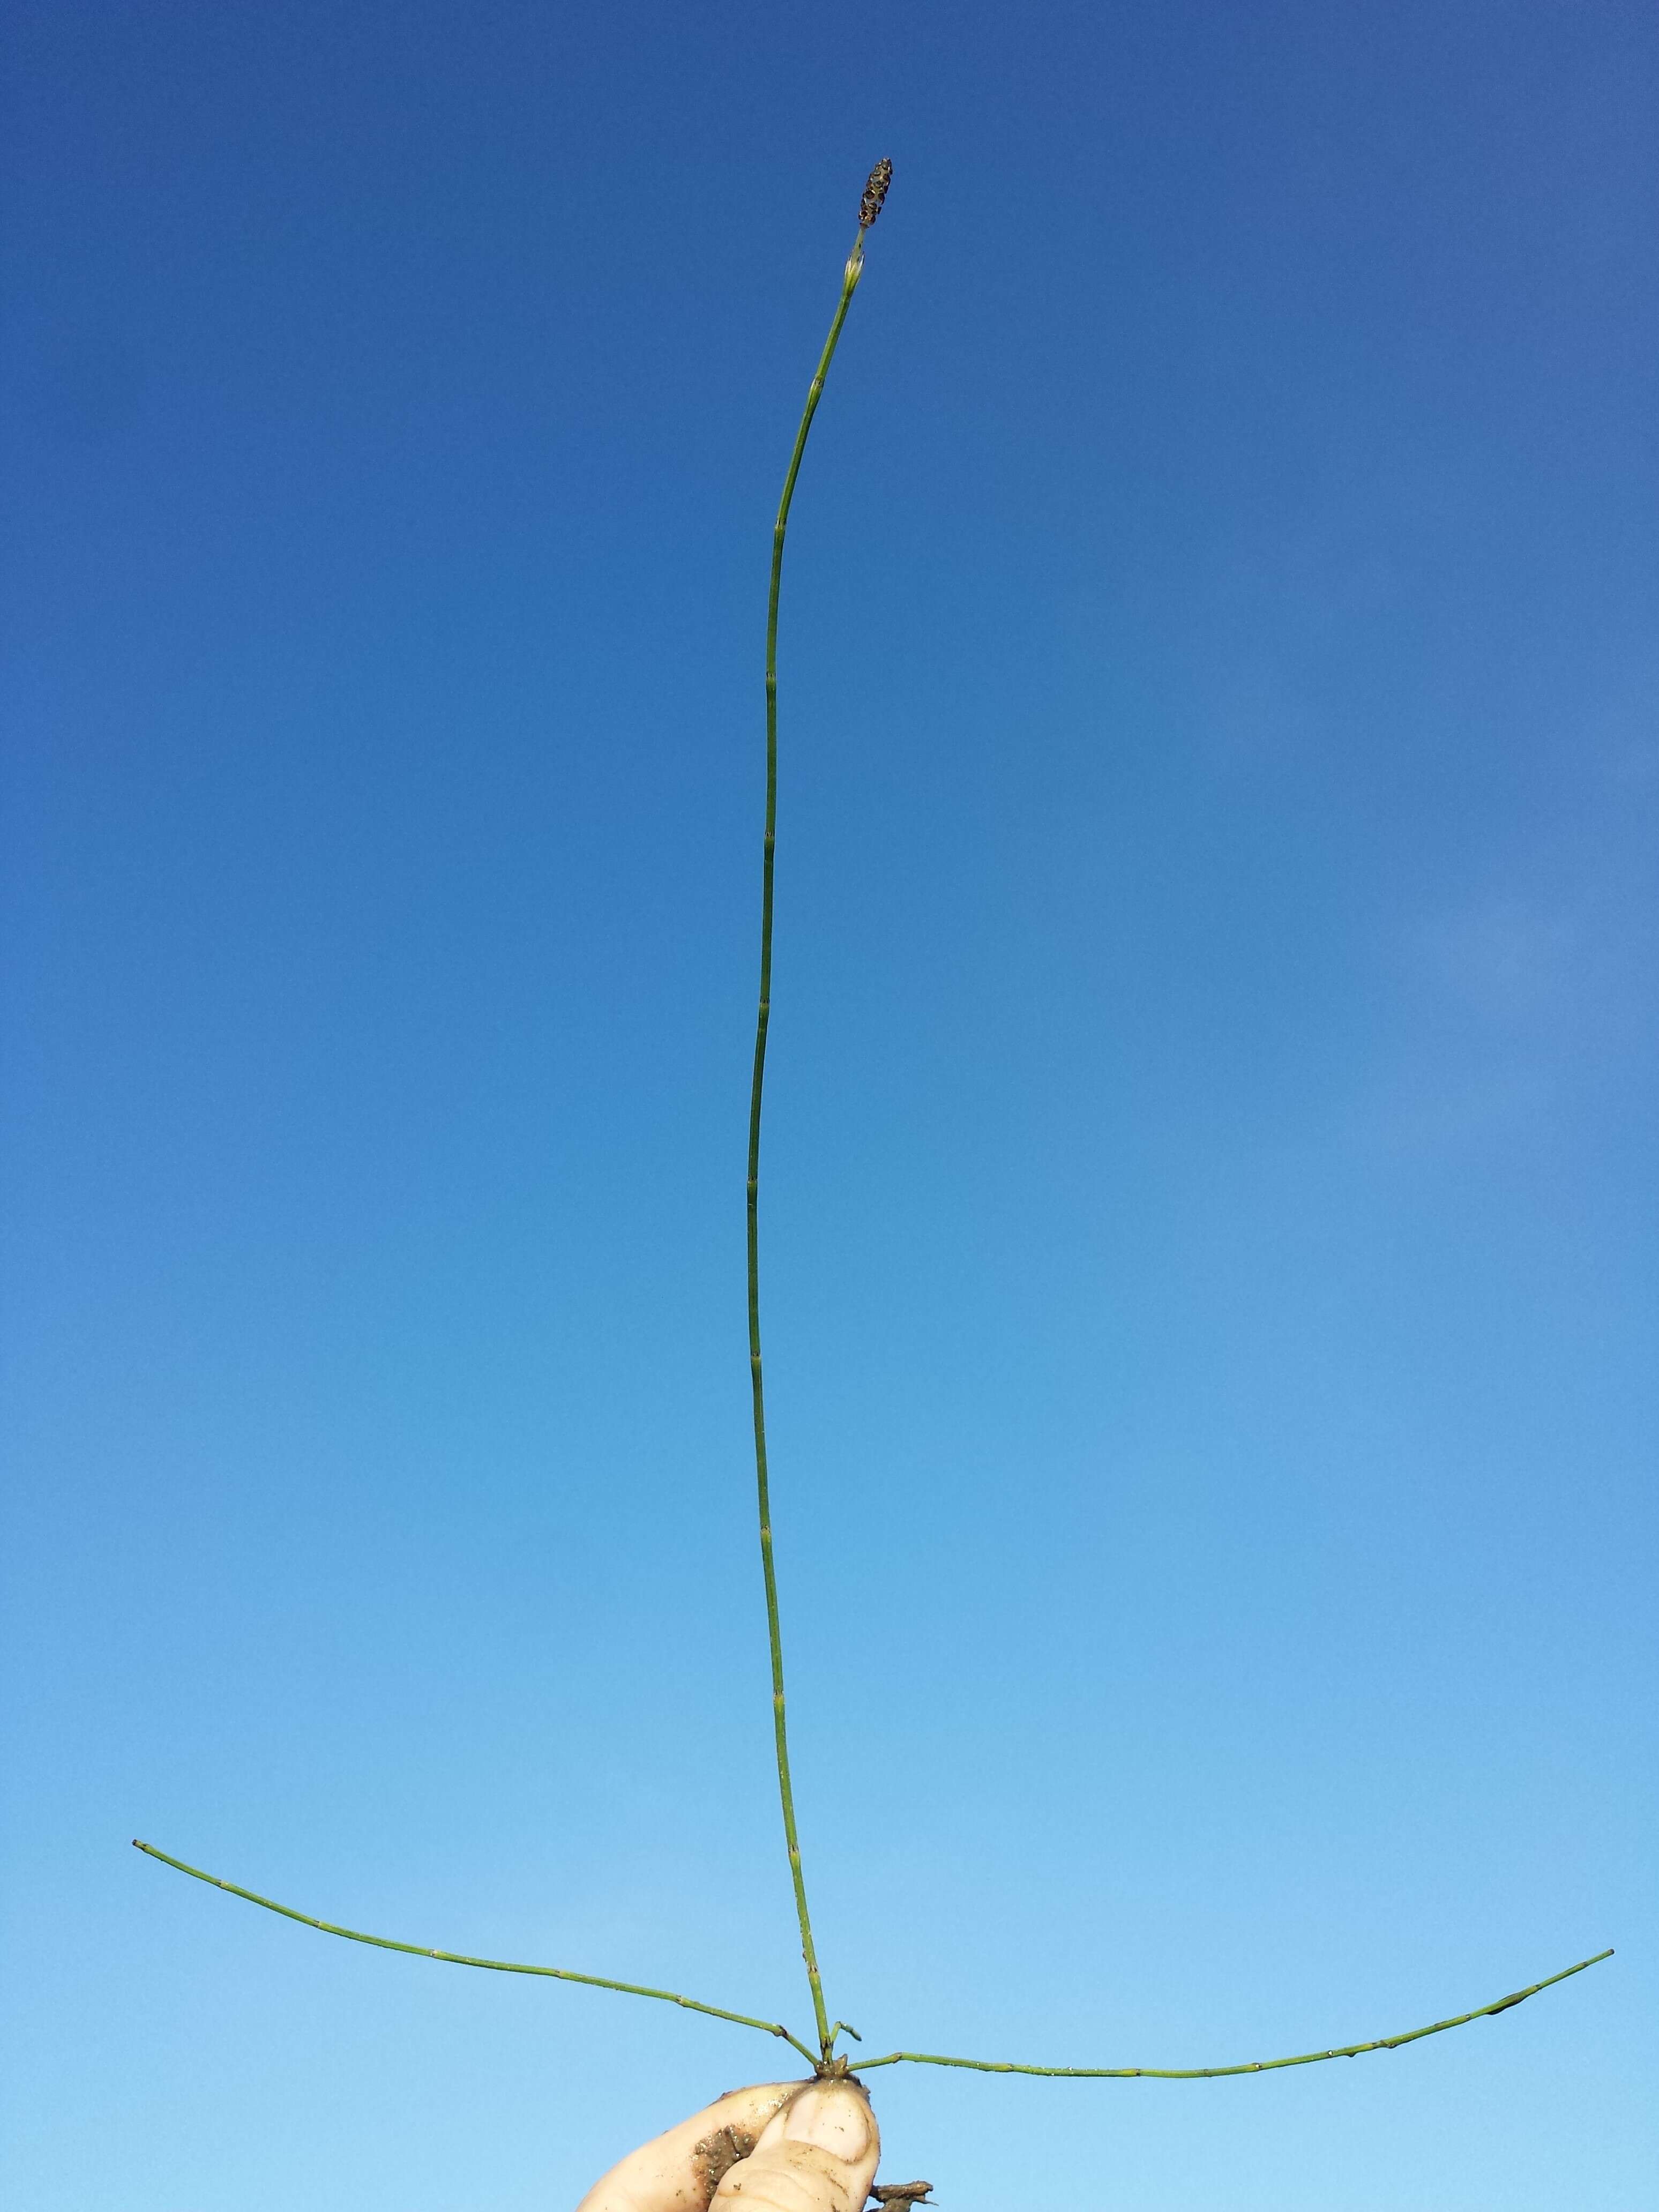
x=678, y=2171
x=817, y=2153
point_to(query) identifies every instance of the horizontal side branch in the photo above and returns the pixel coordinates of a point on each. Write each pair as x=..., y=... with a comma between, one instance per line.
x=1214, y=2072
x=490, y=1965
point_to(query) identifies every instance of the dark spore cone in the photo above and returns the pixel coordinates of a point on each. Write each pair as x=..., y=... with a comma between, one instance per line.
x=874, y=193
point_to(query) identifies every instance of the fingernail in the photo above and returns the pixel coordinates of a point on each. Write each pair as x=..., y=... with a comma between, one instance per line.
x=832, y=2116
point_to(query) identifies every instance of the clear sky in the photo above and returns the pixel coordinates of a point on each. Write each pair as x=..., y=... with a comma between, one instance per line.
x=1210, y=1196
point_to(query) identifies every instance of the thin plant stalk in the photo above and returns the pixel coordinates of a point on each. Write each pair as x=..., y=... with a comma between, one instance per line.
x=491, y=1966
x=1249, y=2066
x=762, y=1487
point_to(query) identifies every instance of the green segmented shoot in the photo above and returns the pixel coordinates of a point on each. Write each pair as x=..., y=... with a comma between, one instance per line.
x=770, y=2107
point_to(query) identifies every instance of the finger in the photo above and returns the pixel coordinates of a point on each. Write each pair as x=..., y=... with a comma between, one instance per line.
x=817, y=2153
x=680, y=2171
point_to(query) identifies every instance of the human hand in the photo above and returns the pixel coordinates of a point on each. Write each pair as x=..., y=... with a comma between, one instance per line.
x=808, y=2146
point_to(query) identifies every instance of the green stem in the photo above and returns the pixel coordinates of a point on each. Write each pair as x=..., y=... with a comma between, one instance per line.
x=786, y=1793
x=1251, y=2066
x=492, y=1965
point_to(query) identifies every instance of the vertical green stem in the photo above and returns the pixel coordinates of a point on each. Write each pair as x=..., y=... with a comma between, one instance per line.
x=809, y=1950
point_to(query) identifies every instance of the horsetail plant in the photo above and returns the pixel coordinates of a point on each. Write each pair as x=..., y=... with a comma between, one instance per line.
x=829, y=2066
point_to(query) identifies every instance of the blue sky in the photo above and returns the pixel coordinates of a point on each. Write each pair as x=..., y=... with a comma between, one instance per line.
x=1209, y=1199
